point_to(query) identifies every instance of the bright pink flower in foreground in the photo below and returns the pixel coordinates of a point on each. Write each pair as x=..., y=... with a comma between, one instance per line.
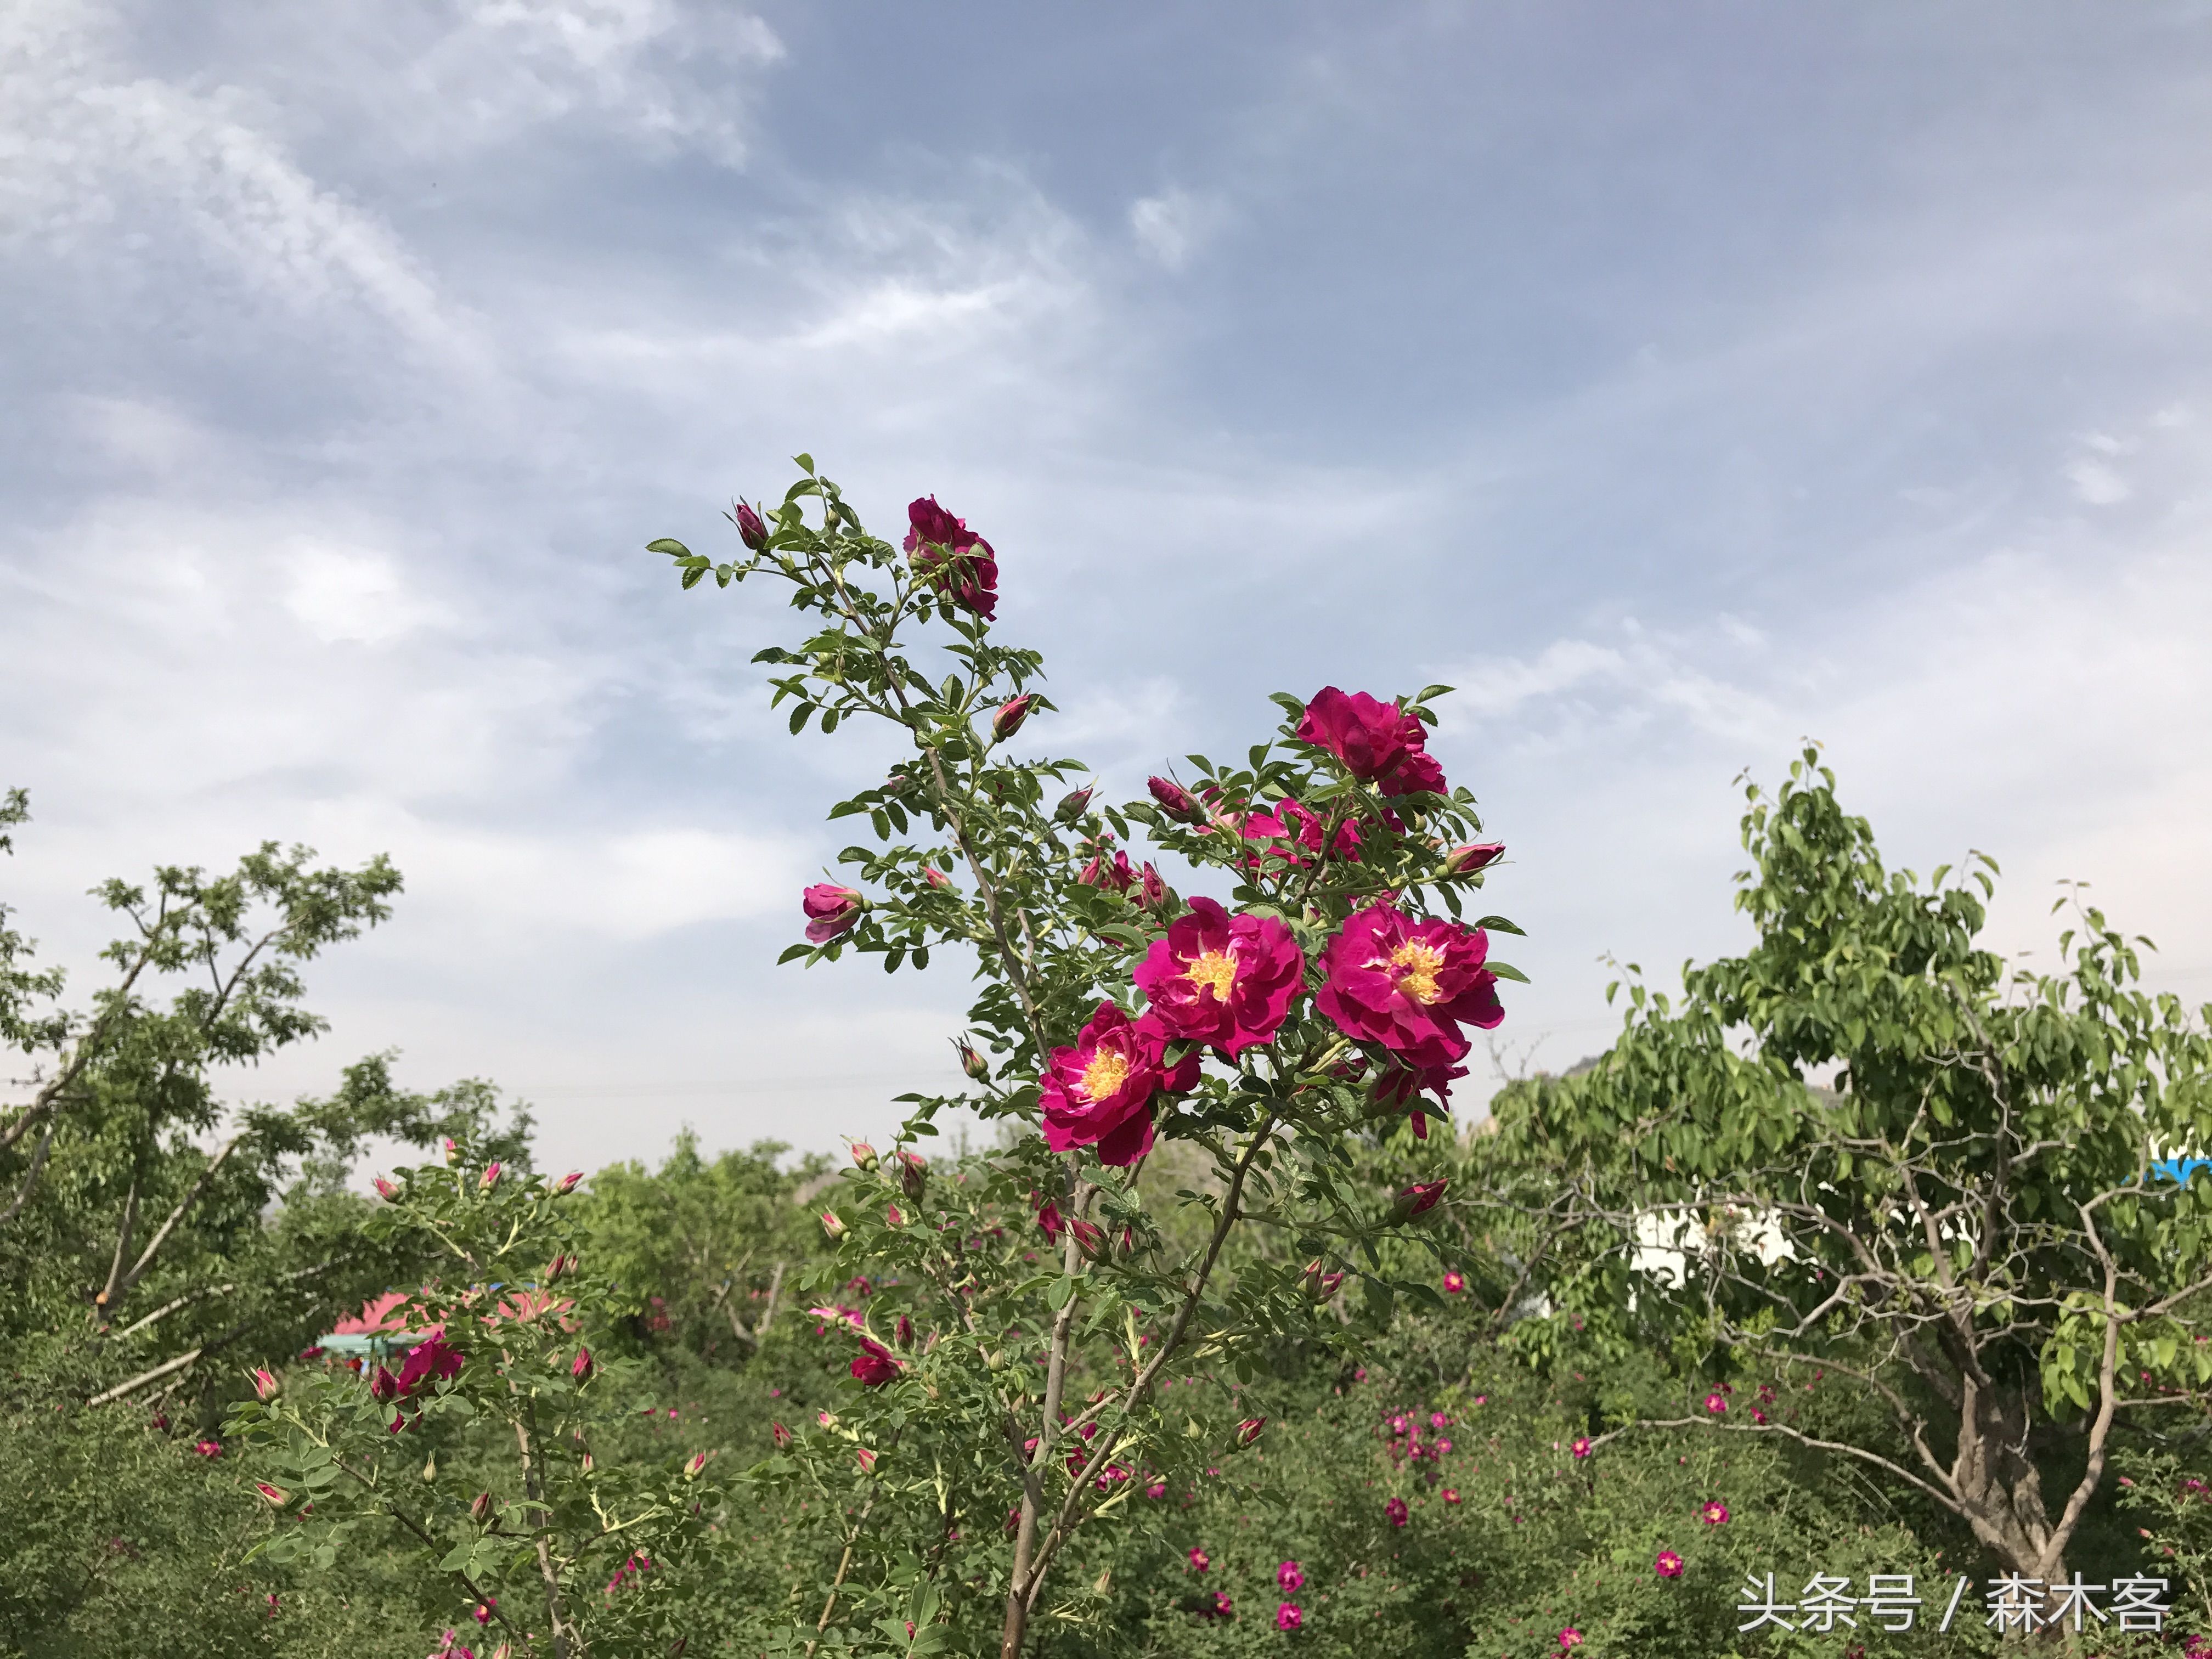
x=385, y=1189
x=1158, y=1489
x=1291, y=1577
x=1377, y=741
x=1409, y=984
x=1396, y=1511
x=1287, y=1616
x=1454, y=1284
x=1716, y=1404
x=1714, y=1514
x=1221, y=1605
x=1222, y=979
x=1668, y=1565
x=830, y=910
x=952, y=558
x=1571, y=1637
x=1100, y=1091
x=876, y=1364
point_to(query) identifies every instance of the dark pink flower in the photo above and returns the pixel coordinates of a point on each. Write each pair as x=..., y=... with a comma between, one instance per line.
x=1714, y=1514
x=582, y=1366
x=431, y=1360
x=1158, y=1489
x=1416, y=1199
x=1200, y=1560
x=384, y=1386
x=1449, y=1494
x=1073, y=803
x=952, y=558
x=1668, y=1565
x=1048, y=1217
x=1222, y=979
x=385, y=1189
x=490, y=1178
x=830, y=910
x=780, y=1434
x=1008, y=720
x=1396, y=1511
x=1571, y=1637
x=1716, y=1403
x=1409, y=984
x=483, y=1610
x=1377, y=741
x=1100, y=1091
x=751, y=530
x=876, y=1364
x=1291, y=1577
x=566, y=1185
x=209, y=1447
x=1287, y=1616
x=1581, y=1447
x=266, y=1384
x=276, y=1495
x=1454, y=1284
x=1291, y=824
x=1249, y=1431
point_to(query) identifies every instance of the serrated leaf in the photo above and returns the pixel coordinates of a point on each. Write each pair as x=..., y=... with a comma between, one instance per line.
x=669, y=545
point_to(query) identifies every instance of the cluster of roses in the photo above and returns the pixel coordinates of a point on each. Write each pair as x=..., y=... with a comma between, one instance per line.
x=1289, y=1578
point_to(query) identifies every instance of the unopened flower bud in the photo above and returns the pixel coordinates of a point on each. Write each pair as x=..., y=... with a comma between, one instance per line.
x=752, y=531
x=385, y=1190
x=431, y=1468
x=453, y=1151
x=1072, y=804
x=1173, y=796
x=276, y=1496
x=266, y=1384
x=1155, y=895
x=1416, y=1199
x=894, y=1217
x=566, y=1185
x=480, y=1508
x=864, y=1155
x=1091, y=1240
x=1464, y=860
x=935, y=876
x=914, y=1175
x=1008, y=720
x=489, y=1179
x=1250, y=1431
x=831, y=1224
x=582, y=1366
x=698, y=1461
x=976, y=1067
x=384, y=1386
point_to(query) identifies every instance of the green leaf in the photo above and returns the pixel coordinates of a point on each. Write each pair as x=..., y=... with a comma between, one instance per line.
x=691, y=577
x=1500, y=925
x=1505, y=970
x=669, y=545
x=804, y=463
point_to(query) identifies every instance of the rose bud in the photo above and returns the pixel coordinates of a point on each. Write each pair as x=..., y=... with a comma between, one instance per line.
x=1250, y=1431
x=385, y=1190
x=977, y=1068
x=1008, y=720
x=264, y=1384
x=1155, y=895
x=1416, y=1199
x=563, y=1187
x=864, y=1155
x=582, y=1367
x=1463, y=861
x=489, y=1179
x=830, y=911
x=1072, y=804
x=276, y=1495
x=894, y=1217
x=1173, y=796
x=1091, y=1240
x=1128, y=1244
x=751, y=530
x=831, y=1224
x=867, y=1457
x=453, y=1151
x=698, y=1461
x=902, y=1333
x=935, y=876
x=480, y=1508
x=557, y=1268
x=384, y=1386
x=780, y=1434
x=914, y=1175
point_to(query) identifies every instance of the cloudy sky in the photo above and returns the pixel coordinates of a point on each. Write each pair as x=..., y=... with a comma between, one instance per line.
x=1677, y=382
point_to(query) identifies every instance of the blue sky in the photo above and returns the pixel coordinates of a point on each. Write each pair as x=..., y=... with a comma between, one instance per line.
x=1675, y=381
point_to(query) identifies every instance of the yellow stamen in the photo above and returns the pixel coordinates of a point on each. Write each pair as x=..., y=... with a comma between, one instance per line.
x=1214, y=968
x=1104, y=1074
x=1418, y=962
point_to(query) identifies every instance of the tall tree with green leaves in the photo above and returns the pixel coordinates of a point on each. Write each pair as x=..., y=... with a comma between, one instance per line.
x=1965, y=1223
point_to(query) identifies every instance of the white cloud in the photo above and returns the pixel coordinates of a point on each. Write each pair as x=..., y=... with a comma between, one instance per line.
x=2098, y=484
x=1172, y=226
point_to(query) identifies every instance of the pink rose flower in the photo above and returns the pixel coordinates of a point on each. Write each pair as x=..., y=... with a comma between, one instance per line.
x=1714, y=1514
x=1571, y=1637
x=1172, y=796
x=1291, y=1577
x=952, y=558
x=750, y=529
x=1449, y=1494
x=264, y=1382
x=1465, y=860
x=876, y=1364
x=490, y=1178
x=582, y=1366
x=1716, y=1404
x=1200, y=1560
x=1581, y=1446
x=566, y=1183
x=1396, y=1511
x=1377, y=741
x=276, y=1495
x=1158, y=1489
x=1222, y=979
x=1250, y=1431
x=431, y=1360
x=385, y=1189
x=830, y=910
x=1012, y=713
x=1287, y=1617
x=1454, y=1284
x=1416, y=1199
x=1409, y=984
x=1115, y=874
x=209, y=1447
x=1100, y=1091
x=1668, y=1565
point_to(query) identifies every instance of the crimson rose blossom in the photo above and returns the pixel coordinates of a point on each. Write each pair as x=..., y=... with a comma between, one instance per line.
x=1408, y=985
x=1396, y=1511
x=876, y=1364
x=953, y=558
x=431, y=1360
x=1290, y=1576
x=1378, y=742
x=1290, y=822
x=830, y=911
x=1223, y=980
x=1100, y=1091
x=1715, y=1514
x=1668, y=1565
x=1287, y=1616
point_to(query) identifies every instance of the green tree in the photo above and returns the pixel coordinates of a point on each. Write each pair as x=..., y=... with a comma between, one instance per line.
x=1965, y=1224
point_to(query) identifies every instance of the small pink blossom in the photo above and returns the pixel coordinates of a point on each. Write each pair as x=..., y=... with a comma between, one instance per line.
x=1668, y=1565
x=1571, y=1637
x=1291, y=1577
x=1716, y=1403
x=1454, y=1284
x=1200, y=1560
x=1395, y=1512
x=830, y=911
x=1714, y=1514
x=1449, y=1494
x=1287, y=1616
x=1581, y=1447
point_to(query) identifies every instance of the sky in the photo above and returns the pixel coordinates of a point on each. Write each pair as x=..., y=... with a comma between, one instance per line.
x=1677, y=383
